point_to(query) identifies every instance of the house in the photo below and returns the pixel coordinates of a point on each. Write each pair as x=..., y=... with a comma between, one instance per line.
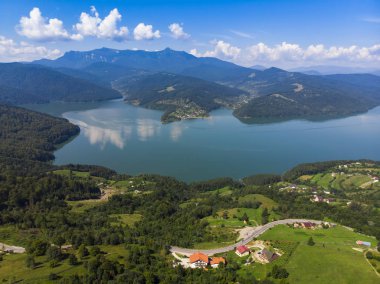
x=215, y=261
x=317, y=198
x=308, y=225
x=267, y=256
x=198, y=260
x=242, y=251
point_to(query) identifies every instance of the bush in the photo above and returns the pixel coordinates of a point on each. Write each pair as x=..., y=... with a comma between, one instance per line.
x=30, y=262
x=73, y=260
x=310, y=242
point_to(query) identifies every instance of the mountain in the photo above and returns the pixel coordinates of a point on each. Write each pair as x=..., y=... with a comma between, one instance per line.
x=269, y=93
x=167, y=60
x=26, y=83
x=296, y=95
x=180, y=96
x=258, y=67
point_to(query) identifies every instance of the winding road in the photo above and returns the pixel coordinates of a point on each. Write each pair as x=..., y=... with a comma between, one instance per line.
x=254, y=234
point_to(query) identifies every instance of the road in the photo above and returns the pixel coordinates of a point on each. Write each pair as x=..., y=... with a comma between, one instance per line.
x=254, y=234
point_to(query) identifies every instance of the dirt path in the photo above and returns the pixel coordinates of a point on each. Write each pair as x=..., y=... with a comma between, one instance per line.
x=9, y=248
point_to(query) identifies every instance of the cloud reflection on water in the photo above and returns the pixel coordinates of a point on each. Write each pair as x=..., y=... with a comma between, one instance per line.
x=118, y=134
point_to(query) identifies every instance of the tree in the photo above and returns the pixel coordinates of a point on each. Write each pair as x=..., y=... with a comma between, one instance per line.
x=59, y=241
x=310, y=241
x=30, y=262
x=245, y=217
x=73, y=260
x=38, y=247
x=225, y=215
x=54, y=253
x=279, y=272
x=83, y=251
x=264, y=216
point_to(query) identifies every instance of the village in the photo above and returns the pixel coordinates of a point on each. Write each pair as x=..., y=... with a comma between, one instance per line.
x=255, y=251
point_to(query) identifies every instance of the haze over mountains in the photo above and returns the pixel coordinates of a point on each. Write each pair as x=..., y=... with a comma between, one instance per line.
x=185, y=86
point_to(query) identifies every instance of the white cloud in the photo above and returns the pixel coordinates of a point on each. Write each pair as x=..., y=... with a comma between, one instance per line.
x=286, y=52
x=221, y=49
x=291, y=55
x=242, y=34
x=177, y=31
x=37, y=27
x=10, y=51
x=143, y=31
x=93, y=25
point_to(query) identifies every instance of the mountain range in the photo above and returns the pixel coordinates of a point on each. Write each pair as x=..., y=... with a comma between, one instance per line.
x=185, y=86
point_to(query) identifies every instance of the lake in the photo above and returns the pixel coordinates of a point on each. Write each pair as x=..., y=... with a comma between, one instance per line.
x=132, y=140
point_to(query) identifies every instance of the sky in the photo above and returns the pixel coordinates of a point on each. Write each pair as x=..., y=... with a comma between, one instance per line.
x=280, y=33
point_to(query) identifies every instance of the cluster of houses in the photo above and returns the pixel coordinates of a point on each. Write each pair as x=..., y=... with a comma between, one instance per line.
x=264, y=255
x=318, y=198
x=312, y=225
x=201, y=260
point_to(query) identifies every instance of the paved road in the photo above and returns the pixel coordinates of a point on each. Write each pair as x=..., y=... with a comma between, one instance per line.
x=254, y=234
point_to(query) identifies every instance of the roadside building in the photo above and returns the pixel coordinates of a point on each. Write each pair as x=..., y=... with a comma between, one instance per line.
x=198, y=260
x=242, y=251
x=267, y=256
x=215, y=261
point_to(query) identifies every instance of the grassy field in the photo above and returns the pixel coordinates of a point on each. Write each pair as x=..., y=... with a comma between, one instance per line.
x=11, y=235
x=82, y=205
x=332, y=255
x=265, y=201
x=125, y=219
x=13, y=270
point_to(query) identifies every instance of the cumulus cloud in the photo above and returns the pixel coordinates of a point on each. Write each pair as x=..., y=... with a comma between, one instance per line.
x=37, y=27
x=107, y=28
x=292, y=54
x=177, y=31
x=221, y=49
x=143, y=31
x=313, y=53
x=10, y=51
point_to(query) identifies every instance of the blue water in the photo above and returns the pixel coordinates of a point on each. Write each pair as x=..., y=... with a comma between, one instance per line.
x=132, y=140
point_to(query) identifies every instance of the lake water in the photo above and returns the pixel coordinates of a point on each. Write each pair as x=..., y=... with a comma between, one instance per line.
x=132, y=140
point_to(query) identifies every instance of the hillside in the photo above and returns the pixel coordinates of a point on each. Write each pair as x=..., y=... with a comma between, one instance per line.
x=29, y=137
x=284, y=95
x=23, y=83
x=180, y=97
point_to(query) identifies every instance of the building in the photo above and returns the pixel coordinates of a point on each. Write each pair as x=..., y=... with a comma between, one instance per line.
x=308, y=225
x=242, y=251
x=215, y=261
x=198, y=260
x=267, y=256
x=317, y=198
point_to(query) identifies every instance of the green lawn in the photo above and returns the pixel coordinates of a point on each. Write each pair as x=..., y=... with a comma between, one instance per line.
x=331, y=258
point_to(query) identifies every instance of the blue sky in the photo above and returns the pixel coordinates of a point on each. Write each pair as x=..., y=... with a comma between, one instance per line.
x=282, y=33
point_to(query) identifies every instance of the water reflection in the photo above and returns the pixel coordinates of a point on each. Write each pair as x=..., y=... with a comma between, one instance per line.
x=147, y=128
x=118, y=132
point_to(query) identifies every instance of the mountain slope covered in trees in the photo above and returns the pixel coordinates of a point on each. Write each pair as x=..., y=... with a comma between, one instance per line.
x=24, y=83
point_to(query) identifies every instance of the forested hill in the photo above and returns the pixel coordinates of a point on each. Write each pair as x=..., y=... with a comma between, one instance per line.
x=29, y=137
x=180, y=96
x=24, y=83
